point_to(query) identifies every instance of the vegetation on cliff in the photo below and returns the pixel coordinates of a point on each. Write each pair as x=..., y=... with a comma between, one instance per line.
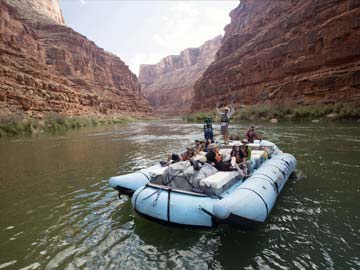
x=288, y=111
x=16, y=124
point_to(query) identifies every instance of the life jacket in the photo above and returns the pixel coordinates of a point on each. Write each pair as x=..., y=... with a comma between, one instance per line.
x=224, y=118
x=247, y=152
x=250, y=133
x=239, y=155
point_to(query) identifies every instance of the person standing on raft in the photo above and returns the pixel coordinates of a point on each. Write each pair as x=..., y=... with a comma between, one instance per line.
x=224, y=122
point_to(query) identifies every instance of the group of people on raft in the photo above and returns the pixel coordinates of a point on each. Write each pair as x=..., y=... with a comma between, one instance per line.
x=208, y=152
x=225, y=116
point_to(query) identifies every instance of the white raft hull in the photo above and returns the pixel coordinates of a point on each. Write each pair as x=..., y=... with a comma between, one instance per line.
x=244, y=203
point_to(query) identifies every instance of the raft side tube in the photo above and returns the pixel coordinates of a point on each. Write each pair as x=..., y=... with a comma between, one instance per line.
x=190, y=210
x=278, y=169
x=151, y=201
x=128, y=183
x=254, y=199
x=266, y=143
x=173, y=206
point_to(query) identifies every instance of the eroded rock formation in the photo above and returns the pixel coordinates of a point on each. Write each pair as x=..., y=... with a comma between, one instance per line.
x=46, y=66
x=168, y=85
x=49, y=9
x=303, y=51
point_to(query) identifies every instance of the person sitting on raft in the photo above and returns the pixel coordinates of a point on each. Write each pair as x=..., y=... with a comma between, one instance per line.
x=247, y=153
x=237, y=153
x=214, y=157
x=238, y=159
x=251, y=134
x=188, y=154
x=174, y=158
x=224, y=122
x=199, y=146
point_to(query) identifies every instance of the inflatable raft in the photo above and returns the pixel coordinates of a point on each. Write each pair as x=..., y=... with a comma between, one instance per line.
x=219, y=197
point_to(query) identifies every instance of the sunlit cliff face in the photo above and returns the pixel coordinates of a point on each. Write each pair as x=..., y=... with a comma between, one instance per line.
x=304, y=52
x=168, y=85
x=51, y=8
x=46, y=66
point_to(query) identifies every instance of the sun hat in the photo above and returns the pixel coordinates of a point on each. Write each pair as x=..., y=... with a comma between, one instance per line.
x=200, y=158
x=245, y=141
x=213, y=145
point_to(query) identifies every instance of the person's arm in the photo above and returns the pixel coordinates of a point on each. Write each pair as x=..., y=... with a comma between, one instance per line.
x=256, y=136
x=247, y=134
x=249, y=153
x=242, y=159
x=218, y=111
x=231, y=112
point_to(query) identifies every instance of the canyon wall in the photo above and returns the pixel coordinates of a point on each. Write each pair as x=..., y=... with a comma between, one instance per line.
x=46, y=66
x=299, y=51
x=169, y=84
x=49, y=9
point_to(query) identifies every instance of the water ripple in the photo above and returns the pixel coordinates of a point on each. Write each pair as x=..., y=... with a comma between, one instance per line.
x=75, y=221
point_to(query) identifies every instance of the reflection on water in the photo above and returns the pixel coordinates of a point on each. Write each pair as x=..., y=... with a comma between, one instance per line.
x=57, y=211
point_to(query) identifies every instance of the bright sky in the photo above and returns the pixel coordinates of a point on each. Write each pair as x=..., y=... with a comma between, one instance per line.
x=143, y=32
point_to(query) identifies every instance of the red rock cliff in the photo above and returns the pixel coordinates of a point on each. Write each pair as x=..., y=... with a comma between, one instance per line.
x=49, y=9
x=300, y=50
x=169, y=84
x=46, y=66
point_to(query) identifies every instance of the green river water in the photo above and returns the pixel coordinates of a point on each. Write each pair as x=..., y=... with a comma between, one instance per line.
x=58, y=212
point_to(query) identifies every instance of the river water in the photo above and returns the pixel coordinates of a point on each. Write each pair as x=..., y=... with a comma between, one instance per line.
x=57, y=211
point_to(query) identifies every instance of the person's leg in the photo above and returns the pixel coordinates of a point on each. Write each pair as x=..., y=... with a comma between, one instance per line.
x=226, y=135
x=233, y=161
x=223, y=132
x=248, y=165
x=240, y=171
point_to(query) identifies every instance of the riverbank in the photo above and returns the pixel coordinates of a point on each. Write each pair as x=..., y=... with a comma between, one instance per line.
x=16, y=124
x=282, y=111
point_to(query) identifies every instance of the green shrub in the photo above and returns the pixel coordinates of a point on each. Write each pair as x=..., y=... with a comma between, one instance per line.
x=288, y=110
x=12, y=124
x=199, y=117
x=16, y=124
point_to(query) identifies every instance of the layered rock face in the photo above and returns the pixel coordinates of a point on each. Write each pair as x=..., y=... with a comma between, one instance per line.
x=46, y=66
x=169, y=84
x=49, y=9
x=302, y=51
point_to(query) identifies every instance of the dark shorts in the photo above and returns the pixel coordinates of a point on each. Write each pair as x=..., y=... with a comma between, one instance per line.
x=224, y=130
